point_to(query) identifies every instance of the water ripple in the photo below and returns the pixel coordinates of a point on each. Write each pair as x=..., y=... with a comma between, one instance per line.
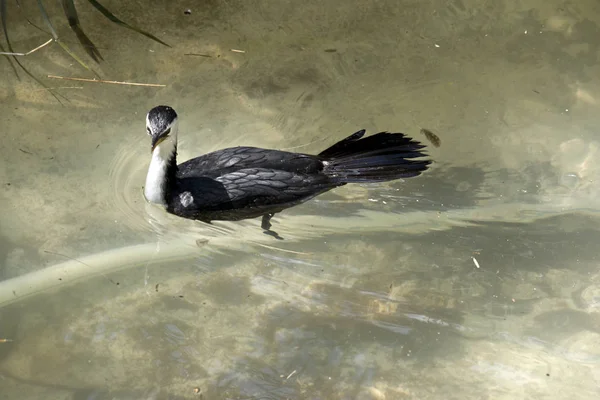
x=127, y=174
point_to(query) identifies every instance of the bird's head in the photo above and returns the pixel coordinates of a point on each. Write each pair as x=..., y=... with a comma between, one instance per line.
x=161, y=123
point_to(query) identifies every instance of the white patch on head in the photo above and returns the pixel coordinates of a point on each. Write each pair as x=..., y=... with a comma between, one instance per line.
x=186, y=199
x=148, y=124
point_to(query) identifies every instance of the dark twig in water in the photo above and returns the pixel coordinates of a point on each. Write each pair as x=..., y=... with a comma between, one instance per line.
x=198, y=55
x=66, y=48
x=432, y=137
x=24, y=15
x=4, y=28
x=25, y=151
x=104, y=81
x=3, y=19
x=86, y=42
x=118, y=21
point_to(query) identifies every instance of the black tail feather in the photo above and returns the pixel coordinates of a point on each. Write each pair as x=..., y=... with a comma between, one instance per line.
x=381, y=157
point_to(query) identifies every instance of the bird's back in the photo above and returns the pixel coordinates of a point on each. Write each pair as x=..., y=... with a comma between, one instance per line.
x=220, y=162
x=244, y=182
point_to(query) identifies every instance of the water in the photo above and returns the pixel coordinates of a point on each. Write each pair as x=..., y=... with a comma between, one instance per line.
x=477, y=280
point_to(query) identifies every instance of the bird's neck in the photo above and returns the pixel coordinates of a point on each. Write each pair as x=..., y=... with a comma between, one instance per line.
x=162, y=172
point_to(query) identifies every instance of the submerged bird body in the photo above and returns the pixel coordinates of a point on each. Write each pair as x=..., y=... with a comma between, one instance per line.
x=247, y=182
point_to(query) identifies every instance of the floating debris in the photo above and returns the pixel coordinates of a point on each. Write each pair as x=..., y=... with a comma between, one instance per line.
x=432, y=137
x=103, y=81
x=198, y=55
x=290, y=375
x=475, y=262
x=4, y=53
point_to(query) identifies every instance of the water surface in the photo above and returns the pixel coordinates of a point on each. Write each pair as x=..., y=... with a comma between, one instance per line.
x=476, y=280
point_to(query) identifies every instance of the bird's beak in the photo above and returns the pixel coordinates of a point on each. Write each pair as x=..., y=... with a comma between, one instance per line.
x=156, y=140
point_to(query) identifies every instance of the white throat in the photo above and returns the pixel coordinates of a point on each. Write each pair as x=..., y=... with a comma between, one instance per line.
x=156, y=180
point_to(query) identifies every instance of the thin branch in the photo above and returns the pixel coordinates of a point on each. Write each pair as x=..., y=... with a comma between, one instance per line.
x=58, y=87
x=198, y=55
x=6, y=53
x=104, y=81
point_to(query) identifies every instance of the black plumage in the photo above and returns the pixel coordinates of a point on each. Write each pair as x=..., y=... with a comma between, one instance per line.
x=246, y=182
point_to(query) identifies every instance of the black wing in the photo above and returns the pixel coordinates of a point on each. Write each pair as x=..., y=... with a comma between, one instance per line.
x=221, y=162
x=245, y=193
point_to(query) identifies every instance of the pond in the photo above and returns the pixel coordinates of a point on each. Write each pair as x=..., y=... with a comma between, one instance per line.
x=478, y=279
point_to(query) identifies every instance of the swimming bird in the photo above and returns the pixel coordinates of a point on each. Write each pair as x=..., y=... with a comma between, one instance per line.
x=248, y=182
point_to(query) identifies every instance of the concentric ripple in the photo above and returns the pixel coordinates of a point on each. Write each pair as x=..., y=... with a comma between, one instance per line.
x=127, y=173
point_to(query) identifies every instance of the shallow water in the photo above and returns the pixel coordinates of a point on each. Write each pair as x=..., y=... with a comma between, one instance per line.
x=477, y=280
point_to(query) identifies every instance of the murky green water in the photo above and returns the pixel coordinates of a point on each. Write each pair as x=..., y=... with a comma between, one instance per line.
x=477, y=280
